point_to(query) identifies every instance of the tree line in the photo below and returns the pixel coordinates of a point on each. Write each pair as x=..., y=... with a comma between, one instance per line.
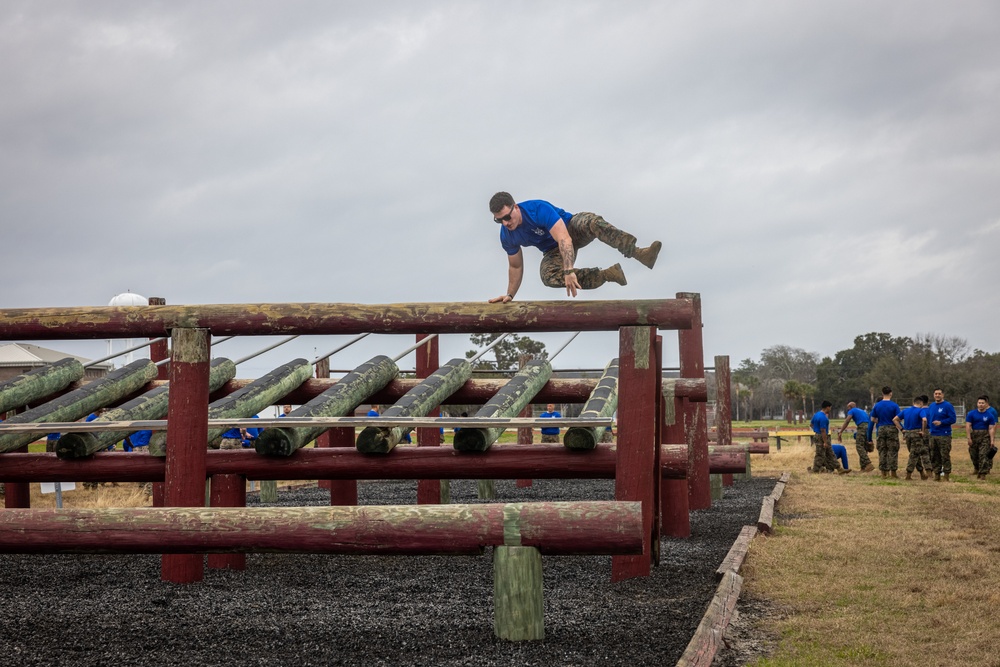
x=788, y=379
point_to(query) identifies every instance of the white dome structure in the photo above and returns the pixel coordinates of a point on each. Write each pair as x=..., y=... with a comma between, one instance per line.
x=129, y=299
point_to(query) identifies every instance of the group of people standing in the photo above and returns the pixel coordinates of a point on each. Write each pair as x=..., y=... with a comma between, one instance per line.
x=925, y=428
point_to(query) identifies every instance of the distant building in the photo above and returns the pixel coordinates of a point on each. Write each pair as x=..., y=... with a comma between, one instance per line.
x=17, y=358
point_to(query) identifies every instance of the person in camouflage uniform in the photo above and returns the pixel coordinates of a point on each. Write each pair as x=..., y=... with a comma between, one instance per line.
x=914, y=425
x=885, y=422
x=559, y=235
x=940, y=419
x=550, y=434
x=860, y=418
x=980, y=430
x=824, y=458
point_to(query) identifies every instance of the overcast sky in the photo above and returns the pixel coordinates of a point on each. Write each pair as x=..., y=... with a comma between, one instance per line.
x=815, y=170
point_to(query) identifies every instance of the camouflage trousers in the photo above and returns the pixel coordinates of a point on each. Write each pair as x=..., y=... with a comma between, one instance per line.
x=607, y=436
x=584, y=228
x=887, y=444
x=550, y=438
x=861, y=444
x=824, y=458
x=941, y=453
x=920, y=458
x=979, y=451
x=231, y=443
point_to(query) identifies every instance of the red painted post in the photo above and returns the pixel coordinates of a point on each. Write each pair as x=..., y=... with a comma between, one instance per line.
x=17, y=495
x=158, y=351
x=228, y=491
x=635, y=468
x=187, y=432
x=657, y=435
x=675, y=519
x=323, y=439
x=525, y=436
x=343, y=491
x=428, y=490
x=723, y=408
x=692, y=358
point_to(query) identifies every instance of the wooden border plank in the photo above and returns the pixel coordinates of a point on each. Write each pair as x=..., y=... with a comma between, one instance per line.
x=708, y=637
x=734, y=559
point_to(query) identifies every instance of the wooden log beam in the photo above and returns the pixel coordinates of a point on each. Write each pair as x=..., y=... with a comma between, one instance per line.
x=78, y=404
x=514, y=397
x=563, y=528
x=429, y=491
x=343, y=463
x=266, y=319
x=692, y=363
x=709, y=636
x=338, y=401
x=151, y=405
x=39, y=383
x=602, y=402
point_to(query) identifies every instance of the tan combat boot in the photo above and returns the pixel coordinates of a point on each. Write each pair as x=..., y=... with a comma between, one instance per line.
x=923, y=474
x=614, y=274
x=647, y=256
x=947, y=476
x=909, y=474
x=894, y=475
x=885, y=473
x=868, y=468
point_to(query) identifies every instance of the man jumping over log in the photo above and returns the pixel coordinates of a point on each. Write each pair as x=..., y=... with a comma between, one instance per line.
x=558, y=235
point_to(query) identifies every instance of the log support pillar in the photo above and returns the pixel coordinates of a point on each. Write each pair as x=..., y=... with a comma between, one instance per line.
x=692, y=362
x=525, y=436
x=429, y=491
x=187, y=432
x=723, y=408
x=342, y=491
x=518, y=609
x=228, y=491
x=159, y=351
x=17, y=495
x=675, y=519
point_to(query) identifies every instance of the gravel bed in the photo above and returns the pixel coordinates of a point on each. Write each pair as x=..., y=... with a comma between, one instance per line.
x=367, y=610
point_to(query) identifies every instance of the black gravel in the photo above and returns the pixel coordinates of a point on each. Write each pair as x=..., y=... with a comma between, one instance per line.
x=366, y=610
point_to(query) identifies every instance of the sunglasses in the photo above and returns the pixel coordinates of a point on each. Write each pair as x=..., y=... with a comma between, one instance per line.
x=505, y=218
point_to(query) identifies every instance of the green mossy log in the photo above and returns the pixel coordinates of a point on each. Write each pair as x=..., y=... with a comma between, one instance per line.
x=268, y=490
x=338, y=401
x=603, y=402
x=508, y=402
x=151, y=405
x=518, y=601
x=246, y=402
x=79, y=403
x=418, y=402
x=39, y=383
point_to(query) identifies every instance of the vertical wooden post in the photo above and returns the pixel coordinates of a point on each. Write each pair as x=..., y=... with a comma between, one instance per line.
x=723, y=407
x=525, y=436
x=342, y=491
x=158, y=351
x=187, y=433
x=228, y=491
x=675, y=519
x=17, y=495
x=657, y=436
x=428, y=490
x=323, y=439
x=692, y=358
x=518, y=603
x=636, y=456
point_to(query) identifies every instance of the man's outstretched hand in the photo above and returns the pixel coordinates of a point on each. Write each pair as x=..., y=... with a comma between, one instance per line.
x=572, y=284
x=501, y=299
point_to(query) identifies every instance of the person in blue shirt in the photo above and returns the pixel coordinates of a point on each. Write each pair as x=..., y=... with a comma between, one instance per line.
x=251, y=434
x=823, y=458
x=860, y=419
x=550, y=433
x=941, y=417
x=914, y=424
x=233, y=438
x=981, y=435
x=989, y=408
x=136, y=440
x=559, y=235
x=885, y=422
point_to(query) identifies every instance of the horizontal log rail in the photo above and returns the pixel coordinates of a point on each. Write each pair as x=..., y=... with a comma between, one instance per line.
x=405, y=462
x=564, y=528
x=253, y=319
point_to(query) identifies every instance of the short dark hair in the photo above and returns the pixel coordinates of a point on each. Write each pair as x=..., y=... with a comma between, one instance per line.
x=925, y=398
x=984, y=397
x=886, y=390
x=499, y=200
x=826, y=404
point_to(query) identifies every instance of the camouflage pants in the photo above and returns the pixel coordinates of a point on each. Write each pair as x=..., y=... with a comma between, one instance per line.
x=824, y=458
x=231, y=443
x=550, y=438
x=979, y=452
x=887, y=444
x=861, y=444
x=919, y=458
x=584, y=228
x=941, y=453
x=607, y=436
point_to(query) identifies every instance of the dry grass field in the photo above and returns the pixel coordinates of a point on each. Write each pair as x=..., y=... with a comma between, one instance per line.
x=870, y=571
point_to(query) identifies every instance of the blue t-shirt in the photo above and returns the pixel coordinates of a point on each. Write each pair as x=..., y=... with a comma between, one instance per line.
x=233, y=434
x=980, y=421
x=550, y=430
x=858, y=415
x=913, y=418
x=820, y=423
x=943, y=412
x=140, y=438
x=991, y=410
x=884, y=411
x=537, y=218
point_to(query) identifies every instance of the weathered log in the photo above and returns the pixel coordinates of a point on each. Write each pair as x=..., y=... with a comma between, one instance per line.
x=151, y=405
x=563, y=528
x=81, y=402
x=261, y=393
x=508, y=402
x=709, y=635
x=498, y=462
x=603, y=402
x=518, y=602
x=39, y=383
x=264, y=319
x=269, y=491
x=416, y=403
x=734, y=559
x=339, y=400
x=766, y=517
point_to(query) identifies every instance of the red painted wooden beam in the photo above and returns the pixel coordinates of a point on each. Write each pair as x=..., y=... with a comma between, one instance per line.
x=565, y=528
x=252, y=319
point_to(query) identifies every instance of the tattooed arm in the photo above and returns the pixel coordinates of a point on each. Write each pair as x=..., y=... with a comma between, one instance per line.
x=561, y=236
